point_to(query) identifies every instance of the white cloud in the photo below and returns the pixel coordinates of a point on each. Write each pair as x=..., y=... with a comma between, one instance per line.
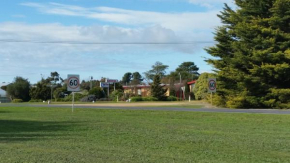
x=175, y=21
x=211, y=3
x=28, y=58
x=92, y=34
x=25, y=58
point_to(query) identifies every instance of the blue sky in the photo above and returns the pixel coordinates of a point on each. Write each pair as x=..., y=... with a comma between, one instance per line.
x=36, y=36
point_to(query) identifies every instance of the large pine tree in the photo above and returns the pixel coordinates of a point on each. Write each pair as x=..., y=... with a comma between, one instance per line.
x=253, y=54
x=157, y=89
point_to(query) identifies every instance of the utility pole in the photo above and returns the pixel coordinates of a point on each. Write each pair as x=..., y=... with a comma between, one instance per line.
x=53, y=85
x=91, y=85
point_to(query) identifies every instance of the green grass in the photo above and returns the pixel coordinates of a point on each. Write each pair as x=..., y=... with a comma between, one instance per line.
x=176, y=106
x=29, y=134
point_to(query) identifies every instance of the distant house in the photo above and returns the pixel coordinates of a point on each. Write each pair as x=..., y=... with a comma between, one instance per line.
x=141, y=90
x=145, y=90
x=191, y=85
x=2, y=92
x=3, y=97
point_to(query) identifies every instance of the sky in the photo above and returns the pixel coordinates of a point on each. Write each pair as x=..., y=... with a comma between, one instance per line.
x=103, y=38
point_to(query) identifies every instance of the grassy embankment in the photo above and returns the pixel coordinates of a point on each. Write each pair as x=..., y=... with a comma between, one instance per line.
x=91, y=135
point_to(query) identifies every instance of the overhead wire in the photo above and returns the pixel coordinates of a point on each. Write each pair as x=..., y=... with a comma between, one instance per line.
x=105, y=43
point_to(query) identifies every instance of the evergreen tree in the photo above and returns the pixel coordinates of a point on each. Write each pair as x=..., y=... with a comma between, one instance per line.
x=127, y=78
x=187, y=70
x=188, y=67
x=253, y=55
x=157, y=90
x=40, y=91
x=137, y=78
x=157, y=69
x=19, y=89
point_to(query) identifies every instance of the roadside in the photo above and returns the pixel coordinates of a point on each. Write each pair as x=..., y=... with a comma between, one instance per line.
x=150, y=104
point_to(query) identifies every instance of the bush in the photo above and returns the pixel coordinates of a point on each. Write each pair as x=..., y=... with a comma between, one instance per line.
x=78, y=97
x=35, y=100
x=236, y=102
x=89, y=98
x=17, y=101
x=150, y=98
x=270, y=103
x=171, y=98
x=283, y=106
x=104, y=99
x=115, y=94
x=253, y=102
x=137, y=98
x=98, y=92
x=217, y=100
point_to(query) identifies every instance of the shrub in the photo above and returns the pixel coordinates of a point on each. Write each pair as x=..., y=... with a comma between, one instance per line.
x=104, y=99
x=78, y=97
x=88, y=98
x=137, y=98
x=252, y=101
x=150, y=98
x=217, y=100
x=17, y=101
x=235, y=102
x=35, y=100
x=171, y=98
x=115, y=94
x=98, y=92
x=283, y=106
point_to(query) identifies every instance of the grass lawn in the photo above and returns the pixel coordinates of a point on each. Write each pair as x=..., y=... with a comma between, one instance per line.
x=30, y=134
x=177, y=106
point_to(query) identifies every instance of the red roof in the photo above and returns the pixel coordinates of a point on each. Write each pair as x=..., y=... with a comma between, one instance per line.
x=191, y=82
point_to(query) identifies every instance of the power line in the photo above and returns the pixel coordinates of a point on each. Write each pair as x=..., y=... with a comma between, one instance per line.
x=105, y=43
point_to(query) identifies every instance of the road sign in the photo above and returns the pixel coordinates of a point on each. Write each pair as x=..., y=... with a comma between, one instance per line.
x=104, y=85
x=73, y=83
x=211, y=85
x=111, y=81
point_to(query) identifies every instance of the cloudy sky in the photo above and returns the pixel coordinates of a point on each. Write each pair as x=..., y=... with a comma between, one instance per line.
x=103, y=38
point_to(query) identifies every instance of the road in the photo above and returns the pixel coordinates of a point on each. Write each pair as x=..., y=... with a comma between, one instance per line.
x=161, y=108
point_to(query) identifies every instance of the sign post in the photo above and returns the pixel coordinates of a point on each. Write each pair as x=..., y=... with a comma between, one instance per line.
x=73, y=85
x=105, y=85
x=211, y=86
x=112, y=81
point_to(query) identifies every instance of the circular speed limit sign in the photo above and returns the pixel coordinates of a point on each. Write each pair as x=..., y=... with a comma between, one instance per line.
x=73, y=83
x=212, y=85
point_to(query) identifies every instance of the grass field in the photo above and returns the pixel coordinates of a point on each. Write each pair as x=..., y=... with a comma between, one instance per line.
x=30, y=134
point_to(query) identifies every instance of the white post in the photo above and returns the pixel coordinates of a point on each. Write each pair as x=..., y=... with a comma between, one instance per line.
x=51, y=93
x=108, y=90
x=73, y=100
x=179, y=86
x=211, y=98
x=189, y=98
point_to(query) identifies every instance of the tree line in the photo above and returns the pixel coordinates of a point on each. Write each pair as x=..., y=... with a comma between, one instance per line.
x=54, y=87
